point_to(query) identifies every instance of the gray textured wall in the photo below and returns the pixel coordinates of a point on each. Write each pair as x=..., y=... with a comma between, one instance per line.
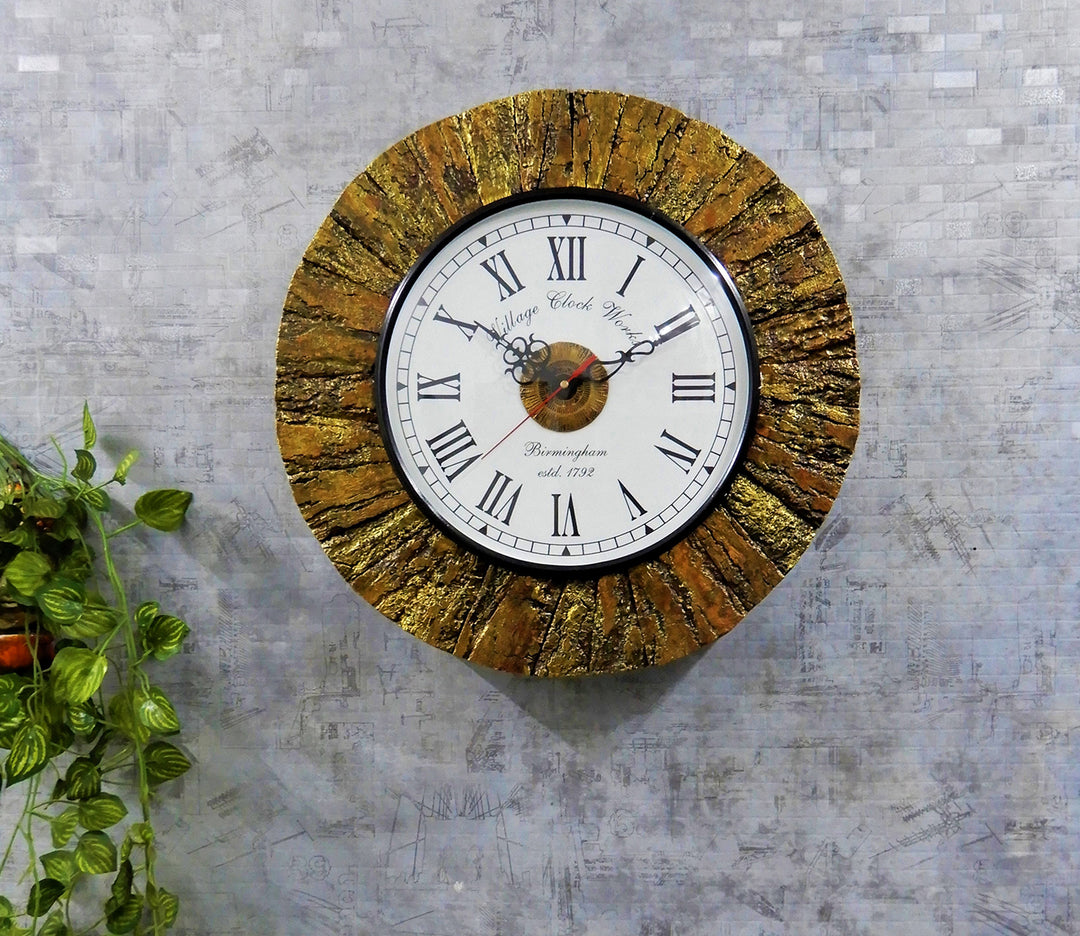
x=890, y=740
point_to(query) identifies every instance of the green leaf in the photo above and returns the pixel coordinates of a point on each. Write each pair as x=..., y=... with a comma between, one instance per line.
x=124, y=917
x=83, y=720
x=28, y=754
x=27, y=571
x=76, y=674
x=89, y=430
x=163, y=509
x=122, y=715
x=94, y=621
x=121, y=885
x=20, y=536
x=140, y=833
x=101, y=811
x=163, y=636
x=156, y=711
x=12, y=712
x=62, y=827
x=65, y=529
x=95, y=853
x=7, y=909
x=42, y=508
x=145, y=613
x=61, y=599
x=124, y=467
x=166, y=906
x=59, y=865
x=43, y=895
x=85, y=465
x=164, y=762
x=12, y=684
x=55, y=926
x=77, y=565
x=83, y=779
x=96, y=498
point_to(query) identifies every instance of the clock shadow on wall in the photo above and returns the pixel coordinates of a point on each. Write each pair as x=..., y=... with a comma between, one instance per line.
x=671, y=338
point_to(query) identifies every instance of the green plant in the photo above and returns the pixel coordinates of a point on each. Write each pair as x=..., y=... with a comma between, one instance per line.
x=86, y=734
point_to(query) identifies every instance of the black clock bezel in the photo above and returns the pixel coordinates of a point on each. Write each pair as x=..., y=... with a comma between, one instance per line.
x=403, y=290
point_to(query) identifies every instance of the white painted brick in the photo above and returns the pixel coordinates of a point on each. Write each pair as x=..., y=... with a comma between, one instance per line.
x=323, y=39
x=909, y=24
x=989, y=136
x=851, y=139
x=963, y=42
x=1040, y=77
x=955, y=79
x=39, y=63
x=720, y=30
x=35, y=244
x=762, y=47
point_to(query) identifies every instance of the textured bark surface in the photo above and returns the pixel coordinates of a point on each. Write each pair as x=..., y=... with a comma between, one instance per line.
x=807, y=417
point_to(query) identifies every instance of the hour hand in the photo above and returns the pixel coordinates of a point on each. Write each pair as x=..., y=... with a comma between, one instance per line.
x=679, y=323
x=524, y=357
x=636, y=350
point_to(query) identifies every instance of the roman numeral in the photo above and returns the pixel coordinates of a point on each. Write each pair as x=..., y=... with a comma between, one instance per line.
x=683, y=457
x=567, y=519
x=693, y=387
x=636, y=510
x=499, y=267
x=568, y=264
x=438, y=388
x=497, y=501
x=468, y=329
x=677, y=324
x=621, y=291
x=449, y=444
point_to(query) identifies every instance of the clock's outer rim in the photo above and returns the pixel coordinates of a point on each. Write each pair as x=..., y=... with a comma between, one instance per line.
x=580, y=194
x=806, y=423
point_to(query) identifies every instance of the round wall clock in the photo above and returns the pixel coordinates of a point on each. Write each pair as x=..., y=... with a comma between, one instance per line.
x=566, y=383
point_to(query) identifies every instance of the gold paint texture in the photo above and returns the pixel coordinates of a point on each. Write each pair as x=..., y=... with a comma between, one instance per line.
x=805, y=431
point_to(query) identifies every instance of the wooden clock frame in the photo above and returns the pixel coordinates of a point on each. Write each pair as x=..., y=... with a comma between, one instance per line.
x=805, y=428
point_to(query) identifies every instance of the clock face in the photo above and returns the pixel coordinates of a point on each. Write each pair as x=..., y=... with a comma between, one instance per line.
x=566, y=380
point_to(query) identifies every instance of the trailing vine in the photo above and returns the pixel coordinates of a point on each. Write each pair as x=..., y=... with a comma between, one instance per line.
x=89, y=737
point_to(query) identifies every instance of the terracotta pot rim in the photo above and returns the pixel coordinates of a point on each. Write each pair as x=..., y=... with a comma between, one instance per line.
x=16, y=653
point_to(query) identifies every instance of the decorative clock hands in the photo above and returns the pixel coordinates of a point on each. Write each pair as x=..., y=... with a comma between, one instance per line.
x=638, y=349
x=680, y=322
x=521, y=355
x=566, y=386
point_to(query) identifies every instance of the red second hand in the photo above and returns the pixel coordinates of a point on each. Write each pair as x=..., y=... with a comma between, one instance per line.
x=563, y=385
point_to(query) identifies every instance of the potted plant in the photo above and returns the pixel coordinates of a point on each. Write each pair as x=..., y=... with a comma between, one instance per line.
x=86, y=737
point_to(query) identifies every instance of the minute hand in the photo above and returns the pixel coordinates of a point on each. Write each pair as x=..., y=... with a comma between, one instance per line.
x=665, y=331
x=638, y=349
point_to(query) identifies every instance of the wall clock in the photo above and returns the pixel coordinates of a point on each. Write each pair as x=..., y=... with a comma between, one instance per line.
x=566, y=383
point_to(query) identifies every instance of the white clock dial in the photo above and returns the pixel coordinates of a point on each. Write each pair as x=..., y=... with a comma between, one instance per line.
x=566, y=380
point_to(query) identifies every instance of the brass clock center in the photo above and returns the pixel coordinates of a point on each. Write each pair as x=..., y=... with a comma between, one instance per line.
x=558, y=400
